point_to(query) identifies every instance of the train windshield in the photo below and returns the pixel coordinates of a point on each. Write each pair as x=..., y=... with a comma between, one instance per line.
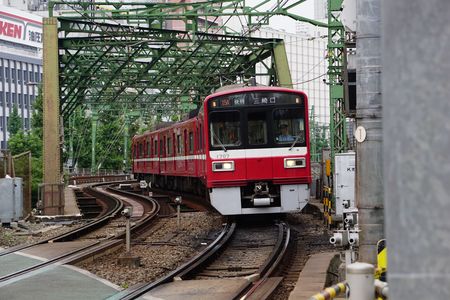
x=257, y=120
x=224, y=128
x=289, y=125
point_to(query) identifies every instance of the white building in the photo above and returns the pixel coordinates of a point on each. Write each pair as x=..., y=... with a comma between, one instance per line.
x=20, y=66
x=308, y=65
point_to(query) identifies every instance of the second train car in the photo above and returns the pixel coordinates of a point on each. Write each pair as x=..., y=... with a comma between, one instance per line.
x=246, y=151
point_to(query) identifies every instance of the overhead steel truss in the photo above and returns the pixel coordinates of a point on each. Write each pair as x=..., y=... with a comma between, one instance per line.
x=138, y=66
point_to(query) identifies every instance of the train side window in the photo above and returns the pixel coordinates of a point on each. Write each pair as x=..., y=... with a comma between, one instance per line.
x=179, y=146
x=141, y=150
x=191, y=142
x=161, y=147
x=149, y=150
x=169, y=146
x=200, y=146
x=155, y=148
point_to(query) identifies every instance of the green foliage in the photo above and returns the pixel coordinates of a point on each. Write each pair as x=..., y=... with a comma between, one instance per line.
x=36, y=177
x=109, y=139
x=37, y=123
x=22, y=142
x=319, y=139
x=15, y=121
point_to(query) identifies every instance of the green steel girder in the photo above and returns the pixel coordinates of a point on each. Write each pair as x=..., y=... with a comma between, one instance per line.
x=100, y=66
x=105, y=59
x=336, y=65
x=152, y=14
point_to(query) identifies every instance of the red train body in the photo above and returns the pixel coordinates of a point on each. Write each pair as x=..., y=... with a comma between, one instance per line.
x=247, y=151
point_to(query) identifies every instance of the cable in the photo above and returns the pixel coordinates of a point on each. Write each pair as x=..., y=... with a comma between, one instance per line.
x=306, y=81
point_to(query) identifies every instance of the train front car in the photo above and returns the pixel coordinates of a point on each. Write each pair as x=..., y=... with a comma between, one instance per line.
x=257, y=158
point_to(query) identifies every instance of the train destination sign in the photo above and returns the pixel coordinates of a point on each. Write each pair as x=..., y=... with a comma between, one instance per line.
x=255, y=99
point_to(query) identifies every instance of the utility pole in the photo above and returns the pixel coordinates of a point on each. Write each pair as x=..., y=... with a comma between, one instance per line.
x=126, y=137
x=369, y=158
x=94, y=122
x=72, y=128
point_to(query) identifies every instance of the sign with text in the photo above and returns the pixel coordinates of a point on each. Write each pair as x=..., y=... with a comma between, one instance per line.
x=20, y=27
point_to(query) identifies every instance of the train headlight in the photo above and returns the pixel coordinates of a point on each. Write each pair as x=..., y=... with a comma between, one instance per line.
x=290, y=163
x=223, y=166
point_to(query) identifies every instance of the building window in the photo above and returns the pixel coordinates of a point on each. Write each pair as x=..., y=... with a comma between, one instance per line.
x=19, y=76
x=31, y=76
x=2, y=100
x=2, y=72
x=36, y=76
x=1, y=123
x=14, y=99
x=25, y=97
x=25, y=76
x=3, y=145
x=20, y=101
x=7, y=74
x=13, y=75
x=8, y=100
x=27, y=124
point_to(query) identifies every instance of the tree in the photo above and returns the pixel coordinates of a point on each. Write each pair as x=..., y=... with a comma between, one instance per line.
x=15, y=121
x=21, y=141
x=37, y=123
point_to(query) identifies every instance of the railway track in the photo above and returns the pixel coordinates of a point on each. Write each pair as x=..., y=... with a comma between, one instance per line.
x=239, y=252
x=81, y=242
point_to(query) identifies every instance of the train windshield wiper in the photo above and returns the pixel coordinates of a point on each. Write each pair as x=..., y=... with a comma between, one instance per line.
x=220, y=142
x=295, y=141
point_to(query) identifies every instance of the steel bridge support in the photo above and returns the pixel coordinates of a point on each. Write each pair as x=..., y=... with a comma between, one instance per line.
x=282, y=65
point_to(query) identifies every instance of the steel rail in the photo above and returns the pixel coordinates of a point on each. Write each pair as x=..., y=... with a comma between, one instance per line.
x=138, y=290
x=114, y=209
x=99, y=246
x=272, y=262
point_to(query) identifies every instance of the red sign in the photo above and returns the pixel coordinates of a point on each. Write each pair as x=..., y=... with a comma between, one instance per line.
x=10, y=29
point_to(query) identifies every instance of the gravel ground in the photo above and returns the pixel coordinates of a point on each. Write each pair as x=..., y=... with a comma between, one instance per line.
x=161, y=251
x=28, y=233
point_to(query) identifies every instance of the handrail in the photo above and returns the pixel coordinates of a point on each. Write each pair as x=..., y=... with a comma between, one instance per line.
x=331, y=292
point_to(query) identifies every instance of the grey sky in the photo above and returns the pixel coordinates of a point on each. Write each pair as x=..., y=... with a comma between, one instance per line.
x=305, y=9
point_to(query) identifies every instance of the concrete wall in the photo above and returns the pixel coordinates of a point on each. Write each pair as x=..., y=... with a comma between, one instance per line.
x=416, y=126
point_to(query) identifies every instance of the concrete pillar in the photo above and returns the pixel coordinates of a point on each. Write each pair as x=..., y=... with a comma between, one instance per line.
x=51, y=153
x=369, y=159
x=416, y=126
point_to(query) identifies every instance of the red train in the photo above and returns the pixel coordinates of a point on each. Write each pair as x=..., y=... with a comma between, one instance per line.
x=247, y=151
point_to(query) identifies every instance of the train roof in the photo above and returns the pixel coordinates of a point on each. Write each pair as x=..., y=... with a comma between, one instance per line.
x=163, y=127
x=236, y=89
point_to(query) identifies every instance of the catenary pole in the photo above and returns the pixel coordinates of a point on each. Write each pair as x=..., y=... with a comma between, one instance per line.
x=369, y=159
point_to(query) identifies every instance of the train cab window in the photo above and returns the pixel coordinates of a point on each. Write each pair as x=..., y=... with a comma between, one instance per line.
x=191, y=142
x=289, y=126
x=224, y=129
x=257, y=128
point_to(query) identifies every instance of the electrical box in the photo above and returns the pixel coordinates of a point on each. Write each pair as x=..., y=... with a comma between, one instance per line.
x=11, y=199
x=344, y=187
